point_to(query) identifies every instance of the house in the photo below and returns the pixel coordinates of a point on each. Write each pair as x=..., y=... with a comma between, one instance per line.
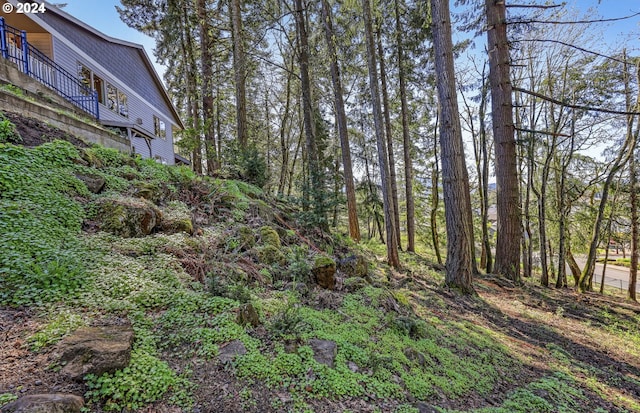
x=110, y=79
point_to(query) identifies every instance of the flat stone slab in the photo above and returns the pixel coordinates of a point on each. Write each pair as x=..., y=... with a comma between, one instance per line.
x=324, y=351
x=95, y=350
x=45, y=403
x=231, y=350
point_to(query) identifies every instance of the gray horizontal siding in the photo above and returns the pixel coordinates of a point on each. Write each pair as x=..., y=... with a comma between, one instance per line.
x=123, y=62
x=68, y=58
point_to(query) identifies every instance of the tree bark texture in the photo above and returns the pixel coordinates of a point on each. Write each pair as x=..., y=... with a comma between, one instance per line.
x=206, y=67
x=239, y=72
x=508, y=201
x=392, y=250
x=307, y=112
x=406, y=140
x=341, y=120
x=390, y=150
x=633, y=200
x=457, y=200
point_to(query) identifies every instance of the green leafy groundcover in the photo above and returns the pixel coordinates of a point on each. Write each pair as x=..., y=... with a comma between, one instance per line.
x=39, y=223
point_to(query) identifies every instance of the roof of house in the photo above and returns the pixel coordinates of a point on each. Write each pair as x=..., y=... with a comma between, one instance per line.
x=130, y=58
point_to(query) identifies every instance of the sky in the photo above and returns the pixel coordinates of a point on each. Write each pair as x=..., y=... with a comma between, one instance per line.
x=102, y=15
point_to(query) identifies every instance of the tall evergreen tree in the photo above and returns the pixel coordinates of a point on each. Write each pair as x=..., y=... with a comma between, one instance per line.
x=392, y=249
x=457, y=200
x=508, y=198
x=341, y=120
x=239, y=70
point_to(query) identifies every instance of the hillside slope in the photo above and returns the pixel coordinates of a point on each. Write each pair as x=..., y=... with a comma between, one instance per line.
x=234, y=307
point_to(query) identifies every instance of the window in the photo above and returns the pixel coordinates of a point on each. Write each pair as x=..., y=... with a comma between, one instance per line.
x=117, y=101
x=123, y=105
x=112, y=97
x=84, y=75
x=159, y=127
x=98, y=86
x=91, y=82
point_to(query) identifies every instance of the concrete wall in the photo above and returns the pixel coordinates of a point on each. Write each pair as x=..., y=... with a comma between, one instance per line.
x=64, y=121
x=9, y=74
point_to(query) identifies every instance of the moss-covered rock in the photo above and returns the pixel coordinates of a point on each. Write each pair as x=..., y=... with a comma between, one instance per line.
x=270, y=255
x=270, y=237
x=247, y=314
x=128, y=217
x=324, y=272
x=176, y=217
x=95, y=183
x=354, y=284
x=246, y=237
x=90, y=157
x=153, y=191
x=146, y=190
x=354, y=265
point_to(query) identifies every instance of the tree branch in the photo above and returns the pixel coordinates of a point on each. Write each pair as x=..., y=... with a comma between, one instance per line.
x=543, y=132
x=534, y=6
x=574, y=22
x=570, y=45
x=570, y=105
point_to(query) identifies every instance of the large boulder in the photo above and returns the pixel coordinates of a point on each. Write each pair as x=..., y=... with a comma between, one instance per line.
x=324, y=272
x=45, y=403
x=95, y=350
x=128, y=217
x=354, y=265
x=324, y=351
x=270, y=255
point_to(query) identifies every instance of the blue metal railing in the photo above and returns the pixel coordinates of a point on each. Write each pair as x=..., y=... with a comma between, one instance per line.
x=15, y=47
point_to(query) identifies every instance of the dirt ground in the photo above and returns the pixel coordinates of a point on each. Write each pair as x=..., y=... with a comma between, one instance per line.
x=534, y=320
x=34, y=133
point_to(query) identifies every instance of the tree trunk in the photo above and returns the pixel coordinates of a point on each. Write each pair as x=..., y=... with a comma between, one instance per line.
x=633, y=183
x=573, y=266
x=376, y=218
x=508, y=201
x=206, y=67
x=406, y=140
x=541, y=196
x=392, y=250
x=315, y=175
x=390, y=151
x=635, y=237
x=284, y=130
x=341, y=120
x=435, y=195
x=192, y=93
x=525, y=162
x=239, y=72
x=457, y=200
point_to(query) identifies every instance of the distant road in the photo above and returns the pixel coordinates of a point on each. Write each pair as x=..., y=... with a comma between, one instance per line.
x=615, y=276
